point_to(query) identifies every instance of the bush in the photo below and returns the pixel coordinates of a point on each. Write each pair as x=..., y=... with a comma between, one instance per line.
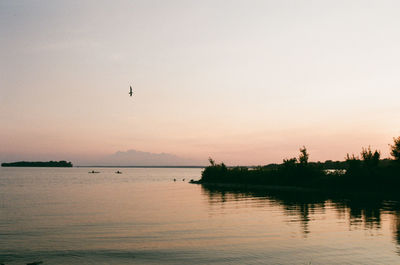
x=371, y=159
x=303, y=157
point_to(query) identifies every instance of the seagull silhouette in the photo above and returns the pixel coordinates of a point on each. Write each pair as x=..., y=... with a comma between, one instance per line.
x=130, y=91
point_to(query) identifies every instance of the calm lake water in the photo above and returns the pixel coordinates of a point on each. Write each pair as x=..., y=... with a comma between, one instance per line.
x=67, y=216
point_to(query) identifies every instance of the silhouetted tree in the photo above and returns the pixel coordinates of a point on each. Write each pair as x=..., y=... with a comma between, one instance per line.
x=303, y=157
x=215, y=172
x=212, y=162
x=395, y=149
x=371, y=159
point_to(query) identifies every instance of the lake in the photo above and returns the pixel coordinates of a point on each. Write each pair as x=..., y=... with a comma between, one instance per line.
x=67, y=216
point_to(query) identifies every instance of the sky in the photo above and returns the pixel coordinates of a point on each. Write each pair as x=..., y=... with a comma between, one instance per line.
x=244, y=82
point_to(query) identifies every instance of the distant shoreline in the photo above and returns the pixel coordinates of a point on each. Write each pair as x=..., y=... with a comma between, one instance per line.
x=144, y=166
x=62, y=163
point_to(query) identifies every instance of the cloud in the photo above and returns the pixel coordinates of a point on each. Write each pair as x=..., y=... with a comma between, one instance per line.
x=139, y=158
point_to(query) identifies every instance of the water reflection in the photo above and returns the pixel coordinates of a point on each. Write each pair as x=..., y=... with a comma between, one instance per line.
x=359, y=211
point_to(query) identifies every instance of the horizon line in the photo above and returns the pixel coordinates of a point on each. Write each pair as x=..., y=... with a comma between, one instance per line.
x=109, y=166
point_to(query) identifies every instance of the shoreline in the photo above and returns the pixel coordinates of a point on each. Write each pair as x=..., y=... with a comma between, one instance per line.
x=351, y=193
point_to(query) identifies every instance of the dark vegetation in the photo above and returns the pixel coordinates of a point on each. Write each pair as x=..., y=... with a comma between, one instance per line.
x=38, y=164
x=367, y=172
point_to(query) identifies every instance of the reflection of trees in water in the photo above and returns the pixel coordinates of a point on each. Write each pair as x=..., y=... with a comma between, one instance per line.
x=362, y=210
x=296, y=205
x=395, y=210
x=396, y=229
x=365, y=211
x=303, y=211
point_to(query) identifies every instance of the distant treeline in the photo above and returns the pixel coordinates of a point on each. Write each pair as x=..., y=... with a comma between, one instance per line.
x=366, y=172
x=38, y=164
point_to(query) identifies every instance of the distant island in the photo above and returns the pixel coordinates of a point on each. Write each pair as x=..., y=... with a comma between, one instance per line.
x=365, y=173
x=38, y=164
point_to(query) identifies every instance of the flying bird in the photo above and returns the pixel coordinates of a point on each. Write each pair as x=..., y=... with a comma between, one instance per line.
x=130, y=91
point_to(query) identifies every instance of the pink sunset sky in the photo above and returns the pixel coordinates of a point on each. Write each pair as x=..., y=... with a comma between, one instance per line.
x=245, y=82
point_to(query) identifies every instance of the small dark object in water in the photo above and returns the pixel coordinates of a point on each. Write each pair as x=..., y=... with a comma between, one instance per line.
x=174, y=179
x=94, y=171
x=118, y=172
x=35, y=263
x=183, y=179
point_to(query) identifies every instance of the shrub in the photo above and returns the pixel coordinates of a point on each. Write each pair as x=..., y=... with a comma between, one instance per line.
x=371, y=159
x=303, y=157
